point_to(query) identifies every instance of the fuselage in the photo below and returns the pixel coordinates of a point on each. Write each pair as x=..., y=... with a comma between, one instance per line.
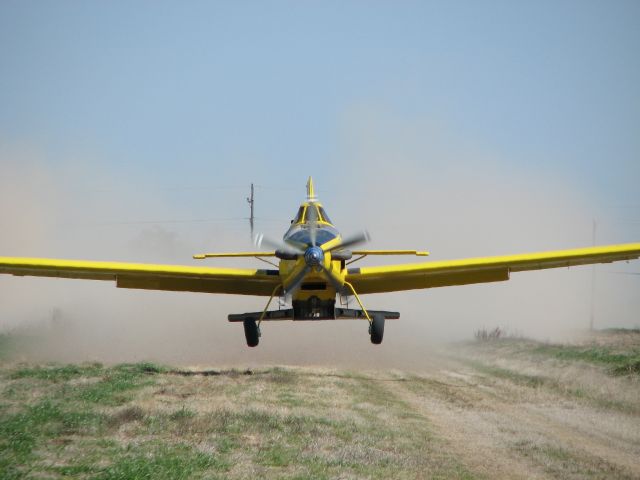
x=315, y=292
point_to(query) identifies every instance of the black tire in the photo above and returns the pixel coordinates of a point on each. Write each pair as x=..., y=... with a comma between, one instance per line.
x=377, y=329
x=251, y=332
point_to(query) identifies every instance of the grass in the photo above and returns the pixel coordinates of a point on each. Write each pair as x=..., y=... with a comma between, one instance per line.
x=150, y=461
x=22, y=432
x=46, y=406
x=57, y=373
x=617, y=360
x=554, y=385
x=559, y=462
x=618, y=363
x=635, y=330
x=140, y=421
x=143, y=420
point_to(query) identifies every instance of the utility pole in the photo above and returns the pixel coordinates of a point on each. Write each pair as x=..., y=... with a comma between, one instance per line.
x=250, y=201
x=593, y=277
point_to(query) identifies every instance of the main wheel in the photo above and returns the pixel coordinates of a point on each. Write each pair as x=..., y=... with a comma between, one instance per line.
x=251, y=332
x=376, y=329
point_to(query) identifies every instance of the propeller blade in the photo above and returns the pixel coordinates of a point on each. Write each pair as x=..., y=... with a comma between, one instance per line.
x=287, y=247
x=333, y=278
x=259, y=240
x=312, y=220
x=294, y=280
x=350, y=241
x=298, y=246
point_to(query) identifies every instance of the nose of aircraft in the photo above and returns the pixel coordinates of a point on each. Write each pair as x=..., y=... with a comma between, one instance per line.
x=313, y=256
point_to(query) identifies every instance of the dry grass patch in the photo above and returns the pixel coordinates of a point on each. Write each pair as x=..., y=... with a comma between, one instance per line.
x=149, y=422
x=560, y=462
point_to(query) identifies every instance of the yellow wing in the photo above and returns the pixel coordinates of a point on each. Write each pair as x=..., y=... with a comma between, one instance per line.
x=149, y=276
x=479, y=270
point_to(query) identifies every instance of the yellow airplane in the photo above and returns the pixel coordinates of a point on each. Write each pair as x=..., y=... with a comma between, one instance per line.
x=314, y=269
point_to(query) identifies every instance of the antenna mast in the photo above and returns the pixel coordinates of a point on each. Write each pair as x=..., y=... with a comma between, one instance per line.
x=250, y=201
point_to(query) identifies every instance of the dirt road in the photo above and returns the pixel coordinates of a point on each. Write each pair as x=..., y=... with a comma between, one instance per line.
x=502, y=427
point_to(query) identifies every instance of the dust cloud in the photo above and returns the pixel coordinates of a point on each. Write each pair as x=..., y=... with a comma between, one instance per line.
x=412, y=185
x=419, y=186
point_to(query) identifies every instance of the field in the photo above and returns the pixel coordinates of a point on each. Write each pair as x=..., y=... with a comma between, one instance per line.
x=499, y=408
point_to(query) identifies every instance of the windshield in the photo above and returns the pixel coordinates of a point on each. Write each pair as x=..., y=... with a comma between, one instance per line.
x=304, y=214
x=322, y=236
x=324, y=216
x=298, y=217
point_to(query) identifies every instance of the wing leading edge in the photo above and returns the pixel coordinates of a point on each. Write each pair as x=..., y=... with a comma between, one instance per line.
x=479, y=270
x=365, y=280
x=149, y=276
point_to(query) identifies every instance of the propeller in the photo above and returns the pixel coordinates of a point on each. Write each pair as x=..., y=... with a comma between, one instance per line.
x=312, y=253
x=314, y=258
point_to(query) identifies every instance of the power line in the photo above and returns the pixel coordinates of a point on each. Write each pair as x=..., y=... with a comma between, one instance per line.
x=154, y=222
x=176, y=221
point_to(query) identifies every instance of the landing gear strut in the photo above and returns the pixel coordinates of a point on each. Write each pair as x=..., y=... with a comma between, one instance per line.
x=376, y=329
x=252, y=332
x=374, y=318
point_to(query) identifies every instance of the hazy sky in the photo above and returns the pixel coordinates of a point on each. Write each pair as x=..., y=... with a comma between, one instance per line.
x=218, y=92
x=467, y=128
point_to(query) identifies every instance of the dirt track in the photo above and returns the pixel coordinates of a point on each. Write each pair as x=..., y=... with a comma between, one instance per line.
x=501, y=429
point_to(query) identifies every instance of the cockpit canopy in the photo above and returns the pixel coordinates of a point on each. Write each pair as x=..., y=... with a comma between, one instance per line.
x=304, y=214
x=302, y=235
